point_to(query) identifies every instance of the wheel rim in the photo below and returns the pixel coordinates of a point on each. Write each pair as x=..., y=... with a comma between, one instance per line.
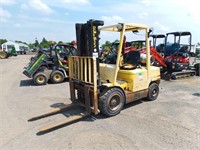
x=40, y=79
x=57, y=77
x=114, y=103
x=154, y=92
x=2, y=55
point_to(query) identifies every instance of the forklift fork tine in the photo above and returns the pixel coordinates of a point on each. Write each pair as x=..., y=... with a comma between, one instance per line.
x=52, y=112
x=68, y=121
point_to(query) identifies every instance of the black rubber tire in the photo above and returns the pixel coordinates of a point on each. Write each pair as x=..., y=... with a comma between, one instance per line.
x=111, y=102
x=57, y=77
x=173, y=77
x=40, y=79
x=8, y=55
x=3, y=55
x=197, y=69
x=153, y=92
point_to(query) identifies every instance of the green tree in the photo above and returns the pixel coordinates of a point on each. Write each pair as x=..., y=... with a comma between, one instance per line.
x=60, y=42
x=116, y=41
x=44, y=43
x=20, y=42
x=31, y=45
x=107, y=44
x=2, y=41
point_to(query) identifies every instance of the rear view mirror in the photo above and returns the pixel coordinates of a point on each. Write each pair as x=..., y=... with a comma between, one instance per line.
x=135, y=31
x=151, y=30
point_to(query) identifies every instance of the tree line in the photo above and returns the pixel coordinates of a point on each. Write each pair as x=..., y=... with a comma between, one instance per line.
x=46, y=43
x=43, y=44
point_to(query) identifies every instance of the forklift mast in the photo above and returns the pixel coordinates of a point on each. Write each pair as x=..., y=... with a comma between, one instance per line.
x=87, y=37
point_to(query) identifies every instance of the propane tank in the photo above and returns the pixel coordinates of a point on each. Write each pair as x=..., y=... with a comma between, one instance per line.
x=143, y=58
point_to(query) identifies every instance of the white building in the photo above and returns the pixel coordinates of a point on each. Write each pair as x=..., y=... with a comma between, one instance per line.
x=19, y=47
x=8, y=46
x=23, y=46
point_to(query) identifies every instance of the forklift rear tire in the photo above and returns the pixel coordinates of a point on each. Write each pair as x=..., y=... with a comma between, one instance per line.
x=40, y=78
x=153, y=92
x=57, y=77
x=112, y=102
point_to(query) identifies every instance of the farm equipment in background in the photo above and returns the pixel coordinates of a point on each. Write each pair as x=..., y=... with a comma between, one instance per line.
x=109, y=54
x=51, y=64
x=9, y=53
x=160, y=47
x=169, y=70
x=177, y=55
x=197, y=51
x=156, y=58
x=177, y=44
x=3, y=55
x=140, y=45
x=133, y=45
x=101, y=87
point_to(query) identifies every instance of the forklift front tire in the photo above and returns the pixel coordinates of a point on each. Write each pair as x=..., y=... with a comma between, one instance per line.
x=40, y=78
x=57, y=77
x=112, y=102
x=153, y=92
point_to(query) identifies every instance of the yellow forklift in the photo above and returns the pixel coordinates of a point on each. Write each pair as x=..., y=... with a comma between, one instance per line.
x=106, y=88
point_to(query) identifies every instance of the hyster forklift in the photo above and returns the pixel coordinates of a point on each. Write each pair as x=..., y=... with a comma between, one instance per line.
x=106, y=88
x=52, y=64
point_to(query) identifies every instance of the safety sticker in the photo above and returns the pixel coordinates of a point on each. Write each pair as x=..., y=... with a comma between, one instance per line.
x=140, y=76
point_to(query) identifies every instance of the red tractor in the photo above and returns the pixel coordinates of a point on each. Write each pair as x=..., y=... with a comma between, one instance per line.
x=177, y=54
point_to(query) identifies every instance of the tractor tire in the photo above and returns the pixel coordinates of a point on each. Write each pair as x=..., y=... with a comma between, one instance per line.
x=153, y=92
x=40, y=78
x=3, y=55
x=112, y=102
x=173, y=77
x=57, y=77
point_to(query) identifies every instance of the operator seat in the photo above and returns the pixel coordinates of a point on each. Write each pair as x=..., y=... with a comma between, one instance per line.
x=132, y=60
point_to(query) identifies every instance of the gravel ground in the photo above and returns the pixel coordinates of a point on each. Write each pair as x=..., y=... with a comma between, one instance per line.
x=170, y=122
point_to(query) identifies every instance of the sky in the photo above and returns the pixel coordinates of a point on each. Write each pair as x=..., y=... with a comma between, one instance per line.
x=26, y=20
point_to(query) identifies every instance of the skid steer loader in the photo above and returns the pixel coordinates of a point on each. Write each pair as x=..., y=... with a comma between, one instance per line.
x=50, y=65
x=106, y=88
